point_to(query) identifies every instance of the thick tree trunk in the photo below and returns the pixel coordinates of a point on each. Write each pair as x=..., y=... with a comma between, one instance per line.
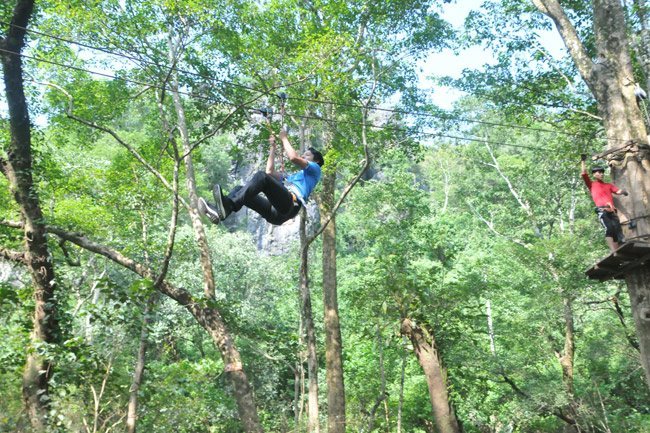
x=18, y=170
x=427, y=354
x=333, y=342
x=611, y=80
x=138, y=374
x=638, y=287
x=308, y=323
x=630, y=169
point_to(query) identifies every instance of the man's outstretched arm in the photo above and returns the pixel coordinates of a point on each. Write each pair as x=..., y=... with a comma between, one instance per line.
x=291, y=152
x=270, y=162
x=584, y=175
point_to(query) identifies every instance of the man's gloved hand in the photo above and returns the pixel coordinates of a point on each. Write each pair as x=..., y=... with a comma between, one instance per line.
x=583, y=157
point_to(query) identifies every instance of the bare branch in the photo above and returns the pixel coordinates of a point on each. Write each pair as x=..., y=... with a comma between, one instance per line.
x=553, y=10
x=182, y=296
x=172, y=229
x=490, y=225
x=12, y=224
x=66, y=254
x=525, y=206
x=552, y=63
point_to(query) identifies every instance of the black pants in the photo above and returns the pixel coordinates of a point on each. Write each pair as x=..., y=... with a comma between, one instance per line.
x=276, y=208
x=612, y=224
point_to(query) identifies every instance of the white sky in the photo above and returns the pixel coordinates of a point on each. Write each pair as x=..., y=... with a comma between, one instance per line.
x=446, y=63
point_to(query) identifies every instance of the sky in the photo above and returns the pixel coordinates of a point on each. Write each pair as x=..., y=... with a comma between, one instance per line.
x=447, y=63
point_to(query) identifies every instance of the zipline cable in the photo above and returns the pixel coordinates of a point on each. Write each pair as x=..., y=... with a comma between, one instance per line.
x=313, y=100
x=302, y=116
x=133, y=58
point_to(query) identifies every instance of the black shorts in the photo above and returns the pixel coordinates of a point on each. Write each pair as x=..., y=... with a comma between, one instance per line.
x=611, y=223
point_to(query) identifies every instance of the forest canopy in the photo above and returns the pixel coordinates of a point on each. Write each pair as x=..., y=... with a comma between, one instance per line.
x=433, y=280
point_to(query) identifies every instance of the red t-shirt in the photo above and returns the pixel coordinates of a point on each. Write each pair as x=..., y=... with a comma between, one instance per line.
x=601, y=191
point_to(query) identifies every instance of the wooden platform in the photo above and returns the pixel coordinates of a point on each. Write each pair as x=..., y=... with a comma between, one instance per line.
x=629, y=256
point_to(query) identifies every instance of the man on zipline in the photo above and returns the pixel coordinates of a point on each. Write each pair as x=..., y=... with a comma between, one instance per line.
x=601, y=192
x=284, y=194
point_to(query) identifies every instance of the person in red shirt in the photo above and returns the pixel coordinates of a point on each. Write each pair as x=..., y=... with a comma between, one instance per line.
x=601, y=193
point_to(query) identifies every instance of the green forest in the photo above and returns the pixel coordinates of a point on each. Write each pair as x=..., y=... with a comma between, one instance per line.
x=447, y=273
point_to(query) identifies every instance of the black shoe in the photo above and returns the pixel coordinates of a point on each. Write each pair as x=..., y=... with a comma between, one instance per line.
x=207, y=210
x=219, y=200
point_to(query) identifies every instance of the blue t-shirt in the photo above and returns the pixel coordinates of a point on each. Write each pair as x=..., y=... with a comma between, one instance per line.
x=306, y=179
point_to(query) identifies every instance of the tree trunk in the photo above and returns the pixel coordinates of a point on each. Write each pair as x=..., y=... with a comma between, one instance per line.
x=638, y=287
x=383, y=395
x=308, y=321
x=641, y=40
x=425, y=349
x=132, y=411
x=623, y=120
x=210, y=318
x=611, y=81
x=333, y=343
x=18, y=170
x=400, y=405
x=197, y=225
x=566, y=359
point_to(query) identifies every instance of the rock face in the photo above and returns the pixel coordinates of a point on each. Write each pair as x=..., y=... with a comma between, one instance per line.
x=270, y=239
x=10, y=274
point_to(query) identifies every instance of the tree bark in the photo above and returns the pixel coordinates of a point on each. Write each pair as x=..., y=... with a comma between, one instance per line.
x=611, y=80
x=425, y=349
x=197, y=225
x=138, y=374
x=400, y=405
x=638, y=287
x=18, y=170
x=333, y=342
x=642, y=40
x=210, y=317
x=566, y=359
x=308, y=322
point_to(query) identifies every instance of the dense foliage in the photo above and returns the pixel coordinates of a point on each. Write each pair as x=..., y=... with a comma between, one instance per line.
x=480, y=242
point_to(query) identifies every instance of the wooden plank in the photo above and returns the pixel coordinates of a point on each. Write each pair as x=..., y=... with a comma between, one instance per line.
x=623, y=260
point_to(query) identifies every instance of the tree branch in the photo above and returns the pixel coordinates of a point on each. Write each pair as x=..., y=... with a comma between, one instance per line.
x=490, y=225
x=13, y=256
x=553, y=10
x=525, y=206
x=180, y=295
x=66, y=254
x=172, y=228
